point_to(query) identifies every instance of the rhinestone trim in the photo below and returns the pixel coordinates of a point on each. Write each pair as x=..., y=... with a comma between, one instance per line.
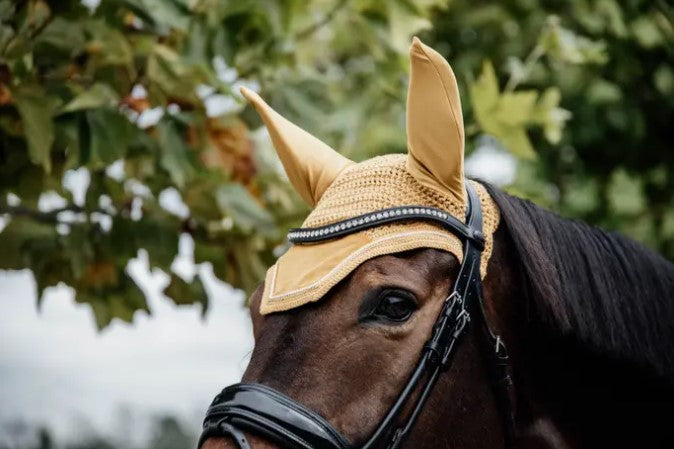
x=380, y=217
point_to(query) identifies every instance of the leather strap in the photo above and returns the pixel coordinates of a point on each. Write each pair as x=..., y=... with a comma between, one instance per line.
x=226, y=429
x=270, y=414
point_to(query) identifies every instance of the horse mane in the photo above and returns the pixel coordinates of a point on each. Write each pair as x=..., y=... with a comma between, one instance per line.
x=599, y=288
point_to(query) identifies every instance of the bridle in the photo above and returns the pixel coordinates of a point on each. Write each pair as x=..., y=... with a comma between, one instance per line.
x=265, y=412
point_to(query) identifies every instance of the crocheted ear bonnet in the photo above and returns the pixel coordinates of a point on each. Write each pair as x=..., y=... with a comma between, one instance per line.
x=430, y=175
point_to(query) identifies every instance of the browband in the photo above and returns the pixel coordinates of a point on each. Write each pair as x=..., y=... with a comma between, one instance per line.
x=272, y=415
x=387, y=216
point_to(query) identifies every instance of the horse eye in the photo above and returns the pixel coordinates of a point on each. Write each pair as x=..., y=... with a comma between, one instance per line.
x=394, y=306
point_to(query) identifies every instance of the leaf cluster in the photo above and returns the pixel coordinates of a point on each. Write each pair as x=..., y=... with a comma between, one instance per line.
x=582, y=93
x=121, y=128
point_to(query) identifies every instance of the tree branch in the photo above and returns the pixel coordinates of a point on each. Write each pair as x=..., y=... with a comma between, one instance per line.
x=528, y=66
x=50, y=217
x=303, y=34
x=307, y=32
x=37, y=215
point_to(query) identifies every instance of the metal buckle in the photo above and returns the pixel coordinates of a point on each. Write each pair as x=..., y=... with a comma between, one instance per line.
x=454, y=297
x=461, y=320
x=500, y=351
x=447, y=330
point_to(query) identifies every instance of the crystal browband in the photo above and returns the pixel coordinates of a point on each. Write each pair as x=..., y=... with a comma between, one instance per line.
x=382, y=217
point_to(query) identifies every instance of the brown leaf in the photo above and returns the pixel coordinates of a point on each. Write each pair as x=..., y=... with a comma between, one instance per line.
x=230, y=150
x=5, y=95
x=100, y=274
x=136, y=104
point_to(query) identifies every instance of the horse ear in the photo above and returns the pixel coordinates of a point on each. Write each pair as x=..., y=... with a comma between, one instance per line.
x=434, y=123
x=311, y=165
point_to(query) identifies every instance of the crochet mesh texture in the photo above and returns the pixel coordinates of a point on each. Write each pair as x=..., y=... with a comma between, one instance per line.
x=362, y=188
x=383, y=182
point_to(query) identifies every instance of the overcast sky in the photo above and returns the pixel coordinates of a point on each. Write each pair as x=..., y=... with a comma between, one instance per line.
x=56, y=369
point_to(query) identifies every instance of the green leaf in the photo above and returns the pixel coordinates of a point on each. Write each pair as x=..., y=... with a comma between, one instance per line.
x=108, y=46
x=663, y=79
x=404, y=23
x=64, y=35
x=516, y=108
x=668, y=224
x=548, y=113
x=165, y=14
x=236, y=202
x=602, y=91
x=549, y=99
x=17, y=238
x=120, y=300
x=646, y=32
x=484, y=92
x=36, y=109
x=582, y=196
x=7, y=9
x=186, y=293
x=174, y=153
x=614, y=15
x=518, y=143
x=567, y=46
x=504, y=116
x=625, y=194
x=248, y=268
x=110, y=133
x=174, y=75
x=216, y=255
x=100, y=309
x=97, y=96
x=6, y=35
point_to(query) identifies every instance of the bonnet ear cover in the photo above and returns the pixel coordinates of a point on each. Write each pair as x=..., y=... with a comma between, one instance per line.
x=430, y=175
x=310, y=164
x=434, y=123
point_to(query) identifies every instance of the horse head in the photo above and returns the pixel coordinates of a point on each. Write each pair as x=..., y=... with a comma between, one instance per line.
x=385, y=324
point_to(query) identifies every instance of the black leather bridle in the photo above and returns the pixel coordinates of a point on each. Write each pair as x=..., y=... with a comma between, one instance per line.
x=267, y=413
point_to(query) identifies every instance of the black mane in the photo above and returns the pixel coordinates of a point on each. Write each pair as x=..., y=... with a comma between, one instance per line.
x=601, y=288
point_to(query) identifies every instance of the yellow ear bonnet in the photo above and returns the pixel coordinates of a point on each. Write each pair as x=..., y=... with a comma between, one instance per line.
x=431, y=174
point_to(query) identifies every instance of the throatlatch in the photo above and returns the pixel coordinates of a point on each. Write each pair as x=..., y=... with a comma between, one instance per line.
x=269, y=414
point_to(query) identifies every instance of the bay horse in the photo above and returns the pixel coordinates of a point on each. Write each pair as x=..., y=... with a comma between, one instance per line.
x=587, y=316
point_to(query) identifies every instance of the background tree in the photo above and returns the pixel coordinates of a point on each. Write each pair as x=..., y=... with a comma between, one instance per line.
x=612, y=64
x=164, y=432
x=134, y=103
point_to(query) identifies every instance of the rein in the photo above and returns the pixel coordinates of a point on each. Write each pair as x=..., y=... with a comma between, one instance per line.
x=270, y=414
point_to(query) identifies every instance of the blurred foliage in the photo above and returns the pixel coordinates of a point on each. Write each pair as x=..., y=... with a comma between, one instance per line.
x=165, y=432
x=139, y=98
x=612, y=65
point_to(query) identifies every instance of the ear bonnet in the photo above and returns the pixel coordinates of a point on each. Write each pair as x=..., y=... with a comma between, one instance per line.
x=430, y=175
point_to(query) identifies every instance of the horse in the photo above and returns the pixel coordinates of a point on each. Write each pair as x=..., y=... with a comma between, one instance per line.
x=587, y=315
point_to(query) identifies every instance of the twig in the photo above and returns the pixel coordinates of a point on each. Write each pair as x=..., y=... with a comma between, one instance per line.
x=43, y=217
x=50, y=217
x=528, y=65
x=305, y=33
x=32, y=33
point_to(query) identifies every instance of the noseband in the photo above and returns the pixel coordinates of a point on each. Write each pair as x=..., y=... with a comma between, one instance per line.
x=266, y=412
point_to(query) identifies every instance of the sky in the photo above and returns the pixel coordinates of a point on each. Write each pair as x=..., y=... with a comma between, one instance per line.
x=57, y=370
